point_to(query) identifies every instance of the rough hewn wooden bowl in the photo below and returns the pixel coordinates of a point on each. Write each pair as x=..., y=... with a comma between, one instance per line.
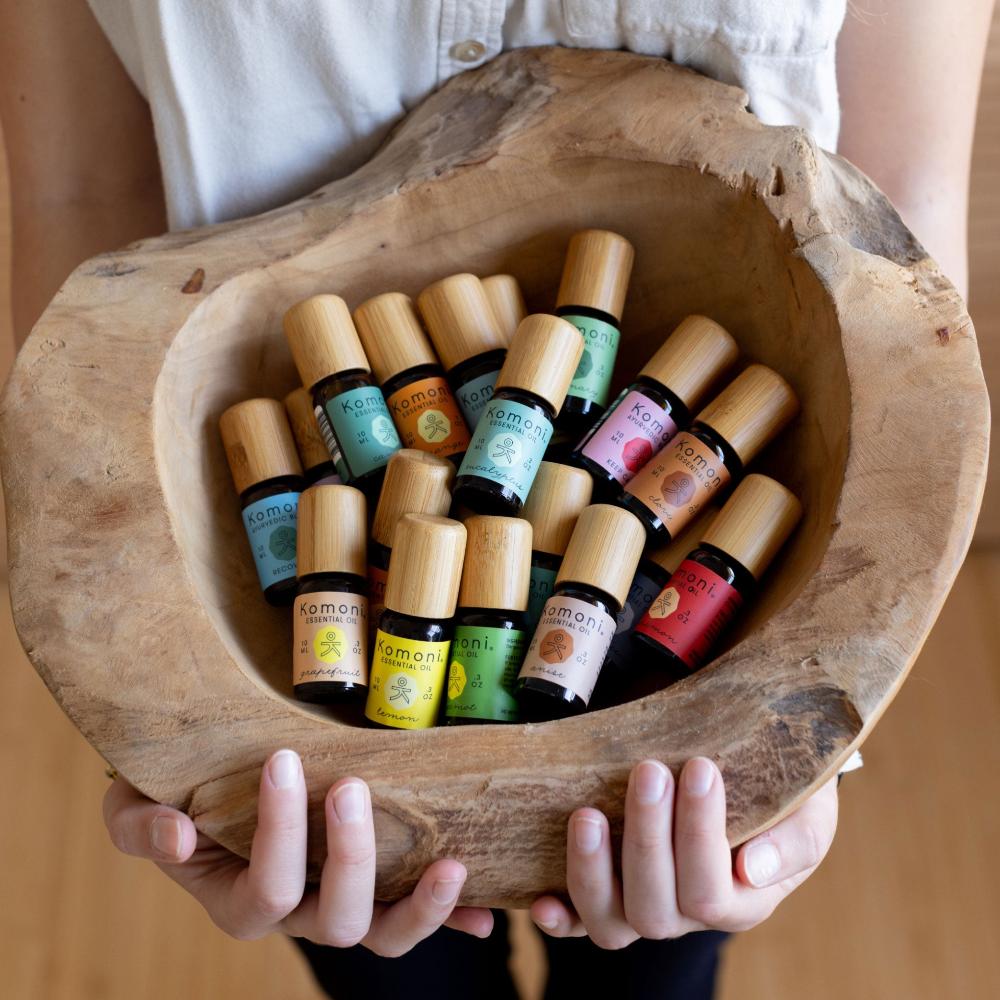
x=133, y=588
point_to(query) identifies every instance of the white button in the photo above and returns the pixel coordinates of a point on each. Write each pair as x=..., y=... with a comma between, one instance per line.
x=469, y=51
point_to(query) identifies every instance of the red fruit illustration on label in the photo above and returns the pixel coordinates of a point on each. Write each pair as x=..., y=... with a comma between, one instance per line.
x=556, y=646
x=665, y=604
x=636, y=454
x=677, y=489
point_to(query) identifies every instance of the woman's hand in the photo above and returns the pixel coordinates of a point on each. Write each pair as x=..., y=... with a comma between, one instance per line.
x=251, y=899
x=678, y=873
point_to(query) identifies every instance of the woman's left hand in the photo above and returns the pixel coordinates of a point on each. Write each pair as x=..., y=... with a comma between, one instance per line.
x=678, y=873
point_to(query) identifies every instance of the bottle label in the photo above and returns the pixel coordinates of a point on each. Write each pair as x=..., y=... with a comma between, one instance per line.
x=474, y=395
x=483, y=671
x=641, y=594
x=679, y=481
x=628, y=437
x=427, y=417
x=542, y=582
x=569, y=645
x=691, y=612
x=363, y=429
x=270, y=525
x=407, y=679
x=376, y=598
x=592, y=379
x=509, y=442
x=330, y=440
x=330, y=637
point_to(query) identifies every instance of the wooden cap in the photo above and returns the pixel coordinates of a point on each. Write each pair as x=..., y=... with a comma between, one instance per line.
x=331, y=531
x=497, y=571
x=323, y=340
x=505, y=297
x=596, y=272
x=425, y=567
x=604, y=551
x=305, y=430
x=671, y=555
x=692, y=358
x=542, y=358
x=258, y=442
x=460, y=319
x=751, y=410
x=416, y=482
x=755, y=522
x=392, y=336
x=558, y=495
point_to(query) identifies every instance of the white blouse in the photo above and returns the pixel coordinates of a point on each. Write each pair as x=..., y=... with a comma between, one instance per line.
x=256, y=102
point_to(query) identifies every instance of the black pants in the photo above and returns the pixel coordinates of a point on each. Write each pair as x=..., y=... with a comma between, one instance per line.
x=453, y=966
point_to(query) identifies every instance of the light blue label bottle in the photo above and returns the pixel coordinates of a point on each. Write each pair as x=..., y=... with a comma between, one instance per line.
x=363, y=429
x=270, y=525
x=592, y=379
x=508, y=444
x=474, y=396
x=539, y=591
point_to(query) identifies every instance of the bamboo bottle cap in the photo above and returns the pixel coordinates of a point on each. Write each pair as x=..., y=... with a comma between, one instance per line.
x=258, y=442
x=392, y=336
x=497, y=571
x=596, y=272
x=331, y=531
x=558, y=495
x=505, y=297
x=755, y=522
x=305, y=430
x=542, y=358
x=425, y=567
x=460, y=319
x=604, y=551
x=751, y=410
x=671, y=555
x=692, y=358
x=323, y=340
x=415, y=483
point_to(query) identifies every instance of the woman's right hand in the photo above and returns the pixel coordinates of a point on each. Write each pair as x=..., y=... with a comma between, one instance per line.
x=249, y=900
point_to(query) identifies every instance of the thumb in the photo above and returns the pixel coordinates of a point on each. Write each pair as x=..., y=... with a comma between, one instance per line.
x=144, y=828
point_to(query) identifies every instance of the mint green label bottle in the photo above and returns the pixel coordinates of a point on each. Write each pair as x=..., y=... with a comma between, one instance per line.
x=271, y=528
x=592, y=379
x=474, y=395
x=363, y=429
x=483, y=670
x=539, y=591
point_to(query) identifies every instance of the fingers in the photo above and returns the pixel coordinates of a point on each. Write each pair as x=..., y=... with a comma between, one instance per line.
x=793, y=847
x=144, y=828
x=397, y=929
x=553, y=917
x=474, y=920
x=591, y=882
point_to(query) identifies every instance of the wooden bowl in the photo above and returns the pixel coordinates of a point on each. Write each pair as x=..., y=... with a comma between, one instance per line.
x=133, y=588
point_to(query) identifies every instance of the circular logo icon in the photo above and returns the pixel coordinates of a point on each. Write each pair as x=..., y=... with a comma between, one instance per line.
x=504, y=450
x=677, y=489
x=383, y=431
x=556, y=646
x=328, y=644
x=456, y=680
x=281, y=542
x=666, y=604
x=586, y=365
x=636, y=453
x=433, y=425
x=400, y=690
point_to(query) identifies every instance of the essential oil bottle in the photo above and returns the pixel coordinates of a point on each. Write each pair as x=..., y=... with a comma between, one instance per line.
x=330, y=613
x=650, y=411
x=490, y=630
x=414, y=634
x=415, y=483
x=467, y=337
x=420, y=401
x=312, y=450
x=713, y=582
x=514, y=430
x=557, y=498
x=577, y=625
x=591, y=296
x=701, y=462
x=350, y=409
x=267, y=475
x=504, y=294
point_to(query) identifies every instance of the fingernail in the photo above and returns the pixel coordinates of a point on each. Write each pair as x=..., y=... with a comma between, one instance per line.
x=588, y=834
x=650, y=782
x=445, y=890
x=761, y=862
x=548, y=925
x=349, y=802
x=698, y=776
x=165, y=835
x=284, y=769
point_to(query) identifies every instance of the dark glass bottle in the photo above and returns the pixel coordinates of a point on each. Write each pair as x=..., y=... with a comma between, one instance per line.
x=378, y=571
x=313, y=452
x=544, y=569
x=282, y=592
x=474, y=382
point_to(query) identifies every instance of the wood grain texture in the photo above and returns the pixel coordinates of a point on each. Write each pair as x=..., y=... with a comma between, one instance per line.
x=128, y=566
